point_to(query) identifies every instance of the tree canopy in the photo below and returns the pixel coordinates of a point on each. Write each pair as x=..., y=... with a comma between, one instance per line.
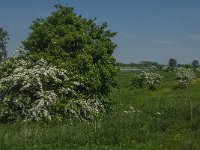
x=172, y=62
x=195, y=63
x=77, y=44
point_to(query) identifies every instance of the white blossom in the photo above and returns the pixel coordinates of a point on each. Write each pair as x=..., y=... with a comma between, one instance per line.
x=34, y=88
x=185, y=76
x=152, y=79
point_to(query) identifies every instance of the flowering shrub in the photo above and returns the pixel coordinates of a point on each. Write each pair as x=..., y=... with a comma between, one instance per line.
x=152, y=79
x=185, y=76
x=38, y=90
x=153, y=68
x=166, y=68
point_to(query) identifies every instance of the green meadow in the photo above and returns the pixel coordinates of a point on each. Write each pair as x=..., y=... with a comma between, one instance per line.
x=166, y=118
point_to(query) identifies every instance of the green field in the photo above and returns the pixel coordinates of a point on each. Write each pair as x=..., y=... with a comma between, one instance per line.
x=168, y=118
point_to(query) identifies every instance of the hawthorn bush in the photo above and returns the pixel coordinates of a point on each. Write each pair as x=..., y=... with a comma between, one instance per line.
x=150, y=79
x=185, y=76
x=76, y=44
x=66, y=72
x=41, y=91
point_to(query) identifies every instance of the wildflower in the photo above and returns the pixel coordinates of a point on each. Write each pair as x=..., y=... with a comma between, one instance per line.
x=158, y=113
x=178, y=137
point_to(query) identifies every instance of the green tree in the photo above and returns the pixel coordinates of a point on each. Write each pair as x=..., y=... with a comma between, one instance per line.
x=172, y=62
x=77, y=44
x=195, y=63
x=3, y=41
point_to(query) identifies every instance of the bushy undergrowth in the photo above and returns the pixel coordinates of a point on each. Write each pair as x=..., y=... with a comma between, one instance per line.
x=38, y=90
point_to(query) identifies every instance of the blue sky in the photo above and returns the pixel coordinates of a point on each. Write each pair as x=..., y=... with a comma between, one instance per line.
x=153, y=30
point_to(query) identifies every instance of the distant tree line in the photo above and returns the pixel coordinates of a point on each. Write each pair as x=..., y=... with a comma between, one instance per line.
x=141, y=64
x=172, y=63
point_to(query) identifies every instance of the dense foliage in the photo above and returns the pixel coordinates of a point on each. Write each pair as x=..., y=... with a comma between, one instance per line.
x=76, y=44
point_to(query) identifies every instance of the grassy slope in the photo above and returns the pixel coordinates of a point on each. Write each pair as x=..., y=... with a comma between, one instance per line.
x=168, y=118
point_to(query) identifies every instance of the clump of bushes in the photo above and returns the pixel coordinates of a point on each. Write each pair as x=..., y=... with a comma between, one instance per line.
x=41, y=91
x=185, y=76
x=149, y=79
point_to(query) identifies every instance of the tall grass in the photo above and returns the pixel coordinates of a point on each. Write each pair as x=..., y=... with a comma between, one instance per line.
x=168, y=118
